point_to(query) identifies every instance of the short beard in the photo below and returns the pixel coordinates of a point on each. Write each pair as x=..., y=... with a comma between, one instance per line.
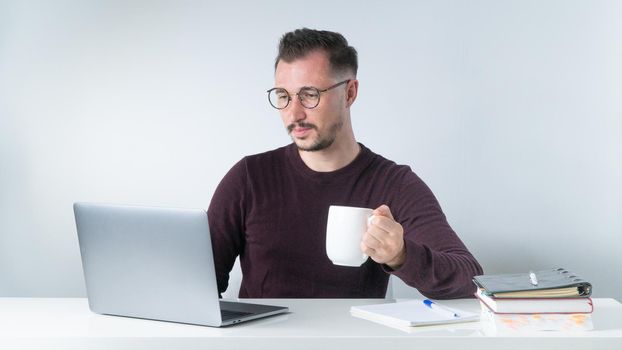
x=322, y=142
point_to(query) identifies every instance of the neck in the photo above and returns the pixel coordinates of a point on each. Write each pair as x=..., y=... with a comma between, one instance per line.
x=335, y=157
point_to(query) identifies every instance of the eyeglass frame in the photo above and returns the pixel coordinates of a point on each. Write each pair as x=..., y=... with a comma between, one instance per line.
x=289, y=96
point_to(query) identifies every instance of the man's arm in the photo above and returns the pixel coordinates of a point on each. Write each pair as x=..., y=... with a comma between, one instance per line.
x=419, y=246
x=226, y=221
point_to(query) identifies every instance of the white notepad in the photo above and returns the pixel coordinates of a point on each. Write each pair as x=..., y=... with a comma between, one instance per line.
x=410, y=313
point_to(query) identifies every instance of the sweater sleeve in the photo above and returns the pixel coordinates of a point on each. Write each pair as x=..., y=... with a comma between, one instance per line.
x=226, y=217
x=437, y=263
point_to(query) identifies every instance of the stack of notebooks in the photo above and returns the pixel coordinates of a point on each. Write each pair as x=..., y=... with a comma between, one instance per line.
x=556, y=296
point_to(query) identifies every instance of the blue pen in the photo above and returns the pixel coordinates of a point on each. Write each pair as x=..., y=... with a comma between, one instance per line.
x=440, y=309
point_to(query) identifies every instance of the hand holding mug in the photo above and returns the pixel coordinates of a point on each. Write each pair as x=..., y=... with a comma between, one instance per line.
x=384, y=239
x=353, y=234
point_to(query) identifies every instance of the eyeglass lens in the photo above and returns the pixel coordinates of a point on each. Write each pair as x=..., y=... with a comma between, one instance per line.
x=308, y=96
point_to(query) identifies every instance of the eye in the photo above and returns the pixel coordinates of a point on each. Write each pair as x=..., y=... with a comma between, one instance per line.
x=309, y=94
x=281, y=94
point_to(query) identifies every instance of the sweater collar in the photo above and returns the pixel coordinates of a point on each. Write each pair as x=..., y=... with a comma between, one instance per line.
x=359, y=163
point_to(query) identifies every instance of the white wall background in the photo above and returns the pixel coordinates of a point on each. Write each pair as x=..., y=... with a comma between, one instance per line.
x=511, y=111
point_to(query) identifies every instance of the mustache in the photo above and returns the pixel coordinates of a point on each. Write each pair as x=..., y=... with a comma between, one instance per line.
x=291, y=127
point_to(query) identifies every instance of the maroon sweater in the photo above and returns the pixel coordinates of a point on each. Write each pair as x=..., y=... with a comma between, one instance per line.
x=271, y=210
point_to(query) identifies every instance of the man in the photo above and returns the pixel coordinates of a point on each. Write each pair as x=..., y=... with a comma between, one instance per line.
x=271, y=208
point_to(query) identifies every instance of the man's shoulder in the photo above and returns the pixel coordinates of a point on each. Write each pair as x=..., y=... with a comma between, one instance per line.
x=389, y=165
x=392, y=171
x=267, y=157
x=257, y=163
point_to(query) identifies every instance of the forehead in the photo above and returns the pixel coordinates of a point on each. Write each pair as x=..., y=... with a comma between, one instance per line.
x=310, y=70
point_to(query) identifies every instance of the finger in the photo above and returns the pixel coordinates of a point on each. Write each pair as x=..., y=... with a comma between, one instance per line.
x=380, y=255
x=379, y=245
x=377, y=233
x=383, y=210
x=367, y=250
x=371, y=241
x=375, y=255
x=383, y=226
x=385, y=243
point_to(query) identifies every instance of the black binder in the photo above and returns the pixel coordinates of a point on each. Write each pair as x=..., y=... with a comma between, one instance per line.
x=551, y=283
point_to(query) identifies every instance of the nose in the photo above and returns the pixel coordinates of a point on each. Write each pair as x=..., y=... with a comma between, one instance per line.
x=294, y=112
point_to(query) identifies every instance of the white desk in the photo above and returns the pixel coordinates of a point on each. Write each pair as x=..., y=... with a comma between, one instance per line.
x=53, y=323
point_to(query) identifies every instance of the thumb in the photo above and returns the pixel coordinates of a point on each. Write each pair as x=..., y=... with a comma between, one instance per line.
x=383, y=210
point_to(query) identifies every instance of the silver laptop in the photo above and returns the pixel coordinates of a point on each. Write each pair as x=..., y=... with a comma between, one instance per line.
x=154, y=263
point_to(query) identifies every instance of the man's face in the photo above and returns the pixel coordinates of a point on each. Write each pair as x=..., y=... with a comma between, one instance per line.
x=312, y=129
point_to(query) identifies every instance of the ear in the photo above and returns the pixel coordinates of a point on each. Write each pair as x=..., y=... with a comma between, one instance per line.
x=352, y=92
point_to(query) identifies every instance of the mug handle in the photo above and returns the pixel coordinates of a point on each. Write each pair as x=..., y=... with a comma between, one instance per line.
x=369, y=219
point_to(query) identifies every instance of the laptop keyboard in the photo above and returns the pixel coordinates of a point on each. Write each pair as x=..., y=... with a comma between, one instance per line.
x=228, y=314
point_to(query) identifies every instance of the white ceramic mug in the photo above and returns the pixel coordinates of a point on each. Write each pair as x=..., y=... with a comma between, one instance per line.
x=344, y=232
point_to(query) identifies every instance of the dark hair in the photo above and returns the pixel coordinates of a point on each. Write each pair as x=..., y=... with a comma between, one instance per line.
x=301, y=42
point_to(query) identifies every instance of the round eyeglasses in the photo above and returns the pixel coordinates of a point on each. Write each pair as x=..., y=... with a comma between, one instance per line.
x=309, y=96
